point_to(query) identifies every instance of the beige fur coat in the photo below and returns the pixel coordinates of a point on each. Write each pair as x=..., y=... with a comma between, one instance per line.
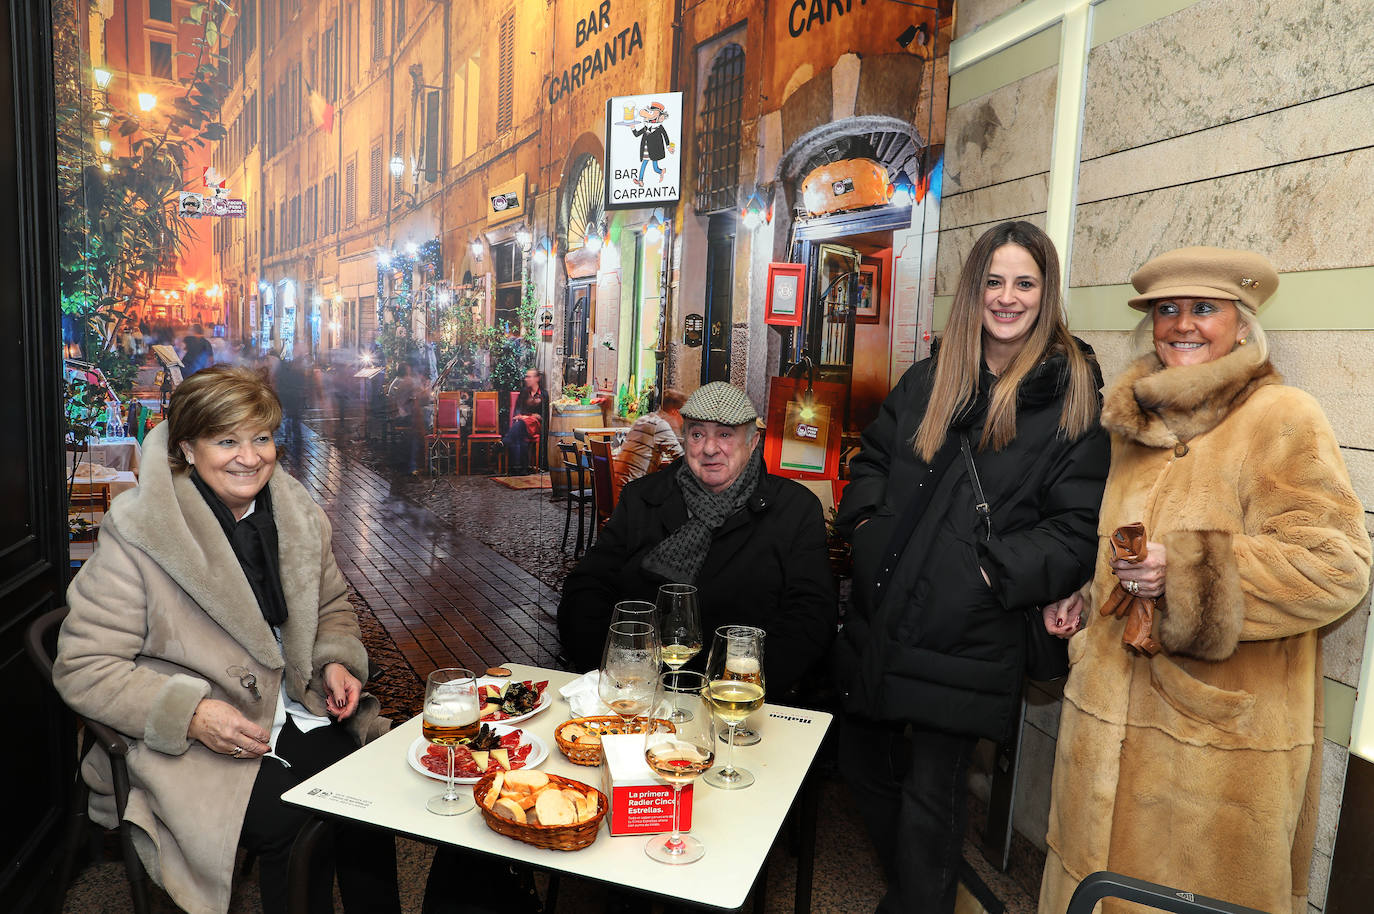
x=159, y=616
x=1200, y=768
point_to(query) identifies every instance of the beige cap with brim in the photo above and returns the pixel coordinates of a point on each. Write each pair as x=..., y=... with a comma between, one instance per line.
x=1244, y=277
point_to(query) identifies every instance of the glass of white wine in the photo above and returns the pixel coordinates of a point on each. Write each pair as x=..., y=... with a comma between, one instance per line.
x=734, y=687
x=679, y=754
x=450, y=717
x=629, y=669
x=679, y=629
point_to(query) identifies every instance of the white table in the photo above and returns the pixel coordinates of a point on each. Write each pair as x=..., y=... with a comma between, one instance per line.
x=115, y=453
x=377, y=786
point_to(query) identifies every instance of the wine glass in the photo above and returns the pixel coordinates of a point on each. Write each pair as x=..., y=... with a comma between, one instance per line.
x=679, y=631
x=634, y=611
x=450, y=717
x=734, y=676
x=629, y=669
x=679, y=754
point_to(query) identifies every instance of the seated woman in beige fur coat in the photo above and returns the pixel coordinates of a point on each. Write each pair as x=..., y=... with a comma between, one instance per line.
x=212, y=627
x=1199, y=767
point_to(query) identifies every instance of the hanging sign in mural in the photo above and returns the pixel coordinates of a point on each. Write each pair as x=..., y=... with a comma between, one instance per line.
x=642, y=163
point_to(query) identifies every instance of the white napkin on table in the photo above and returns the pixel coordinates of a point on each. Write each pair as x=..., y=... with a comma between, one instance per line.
x=583, y=698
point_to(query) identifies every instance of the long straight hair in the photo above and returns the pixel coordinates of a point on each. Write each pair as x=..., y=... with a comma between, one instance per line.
x=961, y=350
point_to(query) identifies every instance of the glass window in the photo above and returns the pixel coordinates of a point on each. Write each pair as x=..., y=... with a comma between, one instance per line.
x=161, y=10
x=718, y=136
x=160, y=60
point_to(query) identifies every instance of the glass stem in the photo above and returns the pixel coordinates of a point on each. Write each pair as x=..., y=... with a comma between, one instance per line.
x=729, y=771
x=675, y=842
x=449, y=792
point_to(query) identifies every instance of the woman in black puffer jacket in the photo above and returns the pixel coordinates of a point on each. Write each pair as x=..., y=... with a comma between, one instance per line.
x=933, y=654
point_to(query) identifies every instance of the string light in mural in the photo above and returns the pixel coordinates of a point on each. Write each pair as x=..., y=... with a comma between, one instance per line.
x=754, y=213
x=542, y=251
x=653, y=229
x=401, y=267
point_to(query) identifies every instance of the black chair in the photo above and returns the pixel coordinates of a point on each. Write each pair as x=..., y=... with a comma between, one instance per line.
x=580, y=492
x=41, y=643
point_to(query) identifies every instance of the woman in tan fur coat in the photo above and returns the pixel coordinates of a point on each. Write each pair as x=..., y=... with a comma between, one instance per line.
x=1199, y=767
x=212, y=628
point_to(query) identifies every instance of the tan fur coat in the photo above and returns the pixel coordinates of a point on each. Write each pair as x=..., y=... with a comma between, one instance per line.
x=159, y=616
x=1200, y=768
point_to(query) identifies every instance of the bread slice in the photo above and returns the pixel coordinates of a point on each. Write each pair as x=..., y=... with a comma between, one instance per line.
x=553, y=808
x=509, y=809
x=525, y=781
x=495, y=792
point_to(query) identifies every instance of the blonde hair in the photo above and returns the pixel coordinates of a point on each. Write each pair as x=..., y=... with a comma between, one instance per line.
x=1143, y=336
x=213, y=401
x=961, y=350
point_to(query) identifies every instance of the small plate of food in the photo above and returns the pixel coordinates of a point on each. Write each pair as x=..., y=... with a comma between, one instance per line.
x=494, y=748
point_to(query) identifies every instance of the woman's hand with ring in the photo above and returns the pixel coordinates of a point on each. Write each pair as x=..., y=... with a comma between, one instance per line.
x=1144, y=578
x=222, y=728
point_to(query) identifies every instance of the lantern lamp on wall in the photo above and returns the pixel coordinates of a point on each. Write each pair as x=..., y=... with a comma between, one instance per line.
x=653, y=229
x=754, y=213
x=903, y=189
x=476, y=248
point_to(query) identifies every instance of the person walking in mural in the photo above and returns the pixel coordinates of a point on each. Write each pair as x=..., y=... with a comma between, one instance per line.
x=654, y=145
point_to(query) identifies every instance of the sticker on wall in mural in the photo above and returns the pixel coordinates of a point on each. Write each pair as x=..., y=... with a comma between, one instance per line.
x=642, y=133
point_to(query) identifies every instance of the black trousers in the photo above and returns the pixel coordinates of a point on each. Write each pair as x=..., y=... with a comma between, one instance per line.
x=364, y=858
x=910, y=786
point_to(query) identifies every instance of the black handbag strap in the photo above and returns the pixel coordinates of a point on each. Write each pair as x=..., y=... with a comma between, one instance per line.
x=980, y=500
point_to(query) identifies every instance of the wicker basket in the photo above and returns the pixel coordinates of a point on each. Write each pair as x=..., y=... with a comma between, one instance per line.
x=550, y=837
x=590, y=753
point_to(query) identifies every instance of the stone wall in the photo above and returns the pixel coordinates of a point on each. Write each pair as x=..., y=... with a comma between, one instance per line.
x=1226, y=122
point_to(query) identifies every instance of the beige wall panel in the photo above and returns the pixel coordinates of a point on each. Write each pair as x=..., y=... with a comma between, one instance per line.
x=1335, y=367
x=973, y=14
x=1113, y=347
x=1000, y=201
x=1299, y=215
x=1002, y=135
x=1330, y=125
x=954, y=247
x=1219, y=61
x=1032, y=812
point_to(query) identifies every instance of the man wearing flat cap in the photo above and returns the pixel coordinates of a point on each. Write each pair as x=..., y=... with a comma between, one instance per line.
x=752, y=543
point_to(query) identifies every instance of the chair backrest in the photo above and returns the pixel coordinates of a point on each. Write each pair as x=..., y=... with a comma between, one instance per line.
x=446, y=414
x=486, y=419
x=574, y=461
x=603, y=480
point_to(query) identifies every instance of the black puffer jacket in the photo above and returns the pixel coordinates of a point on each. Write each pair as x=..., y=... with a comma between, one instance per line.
x=767, y=566
x=940, y=648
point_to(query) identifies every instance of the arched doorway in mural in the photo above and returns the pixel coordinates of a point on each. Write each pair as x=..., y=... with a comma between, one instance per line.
x=582, y=224
x=851, y=185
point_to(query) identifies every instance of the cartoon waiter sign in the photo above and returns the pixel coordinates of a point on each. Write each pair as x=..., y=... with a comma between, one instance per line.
x=654, y=145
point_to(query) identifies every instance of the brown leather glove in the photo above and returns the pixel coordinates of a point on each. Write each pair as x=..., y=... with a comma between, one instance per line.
x=1129, y=545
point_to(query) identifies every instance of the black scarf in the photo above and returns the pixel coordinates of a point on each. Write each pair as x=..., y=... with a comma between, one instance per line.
x=679, y=557
x=254, y=541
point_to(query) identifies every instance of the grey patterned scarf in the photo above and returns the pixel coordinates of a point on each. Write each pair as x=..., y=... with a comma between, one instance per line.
x=680, y=556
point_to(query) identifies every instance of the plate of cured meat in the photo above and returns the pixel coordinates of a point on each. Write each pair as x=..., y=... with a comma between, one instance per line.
x=495, y=748
x=508, y=702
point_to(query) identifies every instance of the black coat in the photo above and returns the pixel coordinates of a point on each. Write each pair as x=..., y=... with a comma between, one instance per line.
x=767, y=567
x=940, y=648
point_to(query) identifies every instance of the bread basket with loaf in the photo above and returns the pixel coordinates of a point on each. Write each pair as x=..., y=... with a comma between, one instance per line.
x=546, y=810
x=580, y=738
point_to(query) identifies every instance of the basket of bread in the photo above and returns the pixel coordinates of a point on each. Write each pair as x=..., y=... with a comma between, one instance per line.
x=580, y=738
x=545, y=810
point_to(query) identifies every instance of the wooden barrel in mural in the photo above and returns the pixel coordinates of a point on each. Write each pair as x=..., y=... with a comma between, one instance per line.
x=565, y=417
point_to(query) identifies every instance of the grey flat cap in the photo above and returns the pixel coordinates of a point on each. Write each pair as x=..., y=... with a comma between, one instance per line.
x=720, y=402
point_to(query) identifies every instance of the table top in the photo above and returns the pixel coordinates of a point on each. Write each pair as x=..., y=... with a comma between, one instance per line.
x=376, y=785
